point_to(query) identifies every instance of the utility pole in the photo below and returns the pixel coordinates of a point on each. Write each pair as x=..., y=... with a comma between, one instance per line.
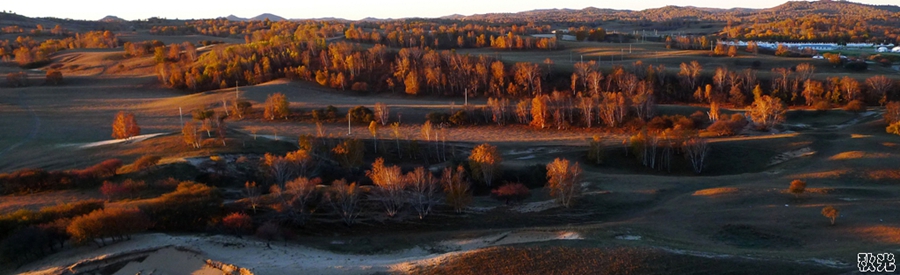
x=348, y=123
x=181, y=116
x=467, y=98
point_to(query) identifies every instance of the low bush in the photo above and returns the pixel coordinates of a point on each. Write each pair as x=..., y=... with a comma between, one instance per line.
x=511, y=192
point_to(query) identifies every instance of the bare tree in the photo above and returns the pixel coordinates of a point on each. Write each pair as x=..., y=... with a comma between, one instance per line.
x=880, y=86
x=695, y=150
x=613, y=108
x=390, y=186
x=423, y=190
x=252, y=192
x=280, y=168
x=587, y=105
x=690, y=74
x=456, y=186
x=563, y=180
x=382, y=113
x=344, y=199
x=644, y=101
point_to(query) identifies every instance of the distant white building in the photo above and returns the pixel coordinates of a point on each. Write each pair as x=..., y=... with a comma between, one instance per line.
x=896, y=49
x=882, y=49
x=799, y=46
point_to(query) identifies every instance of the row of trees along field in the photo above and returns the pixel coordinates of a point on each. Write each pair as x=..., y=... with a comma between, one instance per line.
x=29, y=53
x=424, y=71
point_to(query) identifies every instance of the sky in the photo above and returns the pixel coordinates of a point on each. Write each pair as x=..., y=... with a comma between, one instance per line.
x=347, y=9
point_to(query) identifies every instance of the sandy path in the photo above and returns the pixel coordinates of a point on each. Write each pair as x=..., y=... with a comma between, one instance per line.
x=286, y=258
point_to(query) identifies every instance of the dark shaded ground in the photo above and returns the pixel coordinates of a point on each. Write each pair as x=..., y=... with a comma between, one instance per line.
x=584, y=257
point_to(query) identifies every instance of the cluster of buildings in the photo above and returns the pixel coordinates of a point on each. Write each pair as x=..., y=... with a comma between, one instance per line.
x=882, y=48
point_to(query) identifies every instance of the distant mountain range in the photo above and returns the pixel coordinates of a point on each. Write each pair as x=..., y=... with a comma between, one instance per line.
x=261, y=17
x=112, y=19
x=789, y=9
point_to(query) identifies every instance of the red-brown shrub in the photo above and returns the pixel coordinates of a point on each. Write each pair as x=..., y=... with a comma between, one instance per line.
x=511, y=192
x=238, y=223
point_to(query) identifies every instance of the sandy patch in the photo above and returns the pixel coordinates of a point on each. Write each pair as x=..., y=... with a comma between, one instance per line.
x=535, y=206
x=169, y=261
x=273, y=258
x=858, y=155
x=716, y=191
x=802, y=152
x=115, y=141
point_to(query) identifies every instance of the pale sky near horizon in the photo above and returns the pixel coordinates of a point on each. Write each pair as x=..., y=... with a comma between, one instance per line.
x=347, y=9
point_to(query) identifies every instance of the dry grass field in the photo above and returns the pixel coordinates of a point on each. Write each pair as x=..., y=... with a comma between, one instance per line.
x=736, y=218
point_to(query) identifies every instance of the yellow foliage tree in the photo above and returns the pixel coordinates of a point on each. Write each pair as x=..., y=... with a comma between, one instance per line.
x=485, y=162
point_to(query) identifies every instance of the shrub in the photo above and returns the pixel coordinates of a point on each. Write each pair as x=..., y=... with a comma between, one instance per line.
x=238, y=223
x=117, y=223
x=892, y=112
x=893, y=128
x=437, y=117
x=141, y=164
x=191, y=206
x=102, y=170
x=128, y=188
x=822, y=105
x=460, y=118
x=361, y=114
x=797, y=187
x=728, y=127
x=856, y=106
x=511, y=192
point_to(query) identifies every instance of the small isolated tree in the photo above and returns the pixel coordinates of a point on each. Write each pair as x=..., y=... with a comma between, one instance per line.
x=349, y=153
x=252, y=192
x=279, y=168
x=344, y=199
x=767, y=111
x=125, y=126
x=241, y=108
x=238, y=223
x=797, y=187
x=563, y=181
x=382, y=113
x=373, y=129
x=511, y=192
x=456, y=187
x=695, y=150
x=191, y=136
x=485, y=162
x=277, y=106
x=423, y=189
x=595, y=150
x=831, y=213
x=390, y=186
x=892, y=112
